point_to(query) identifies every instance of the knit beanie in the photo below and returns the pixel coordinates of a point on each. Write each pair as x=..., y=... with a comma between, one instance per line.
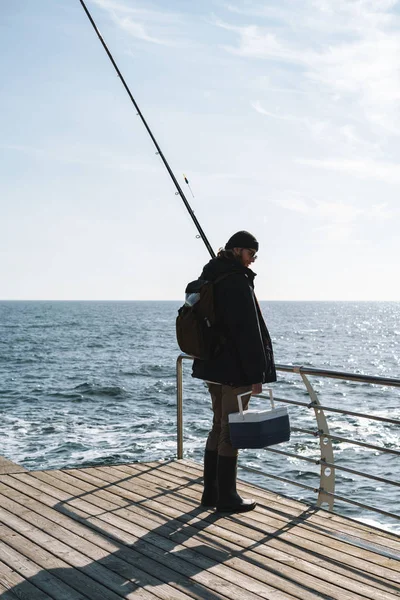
x=242, y=239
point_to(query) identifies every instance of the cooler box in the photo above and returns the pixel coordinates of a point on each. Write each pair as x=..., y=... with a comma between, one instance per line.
x=259, y=428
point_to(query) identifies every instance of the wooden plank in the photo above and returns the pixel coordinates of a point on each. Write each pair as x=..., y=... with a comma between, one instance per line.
x=257, y=567
x=7, y=594
x=12, y=580
x=198, y=570
x=27, y=579
x=7, y=466
x=84, y=578
x=49, y=499
x=120, y=559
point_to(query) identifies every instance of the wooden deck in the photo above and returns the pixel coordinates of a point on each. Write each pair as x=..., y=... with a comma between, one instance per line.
x=137, y=531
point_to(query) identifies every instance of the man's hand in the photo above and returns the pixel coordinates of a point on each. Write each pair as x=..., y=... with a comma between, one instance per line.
x=256, y=388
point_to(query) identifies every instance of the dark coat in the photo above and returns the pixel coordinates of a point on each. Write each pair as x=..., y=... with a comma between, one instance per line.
x=246, y=355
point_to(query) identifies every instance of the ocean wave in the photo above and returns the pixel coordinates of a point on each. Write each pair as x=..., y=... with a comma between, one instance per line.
x=161, y=386
x=68, y=447
x=153, y=370
x=68, y=396
x=100, y=390
x=42, y=326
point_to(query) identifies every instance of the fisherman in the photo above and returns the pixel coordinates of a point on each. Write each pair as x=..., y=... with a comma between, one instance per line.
x=243, y=363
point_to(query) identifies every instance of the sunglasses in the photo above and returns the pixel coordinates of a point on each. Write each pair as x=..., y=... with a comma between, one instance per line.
x=253, y=253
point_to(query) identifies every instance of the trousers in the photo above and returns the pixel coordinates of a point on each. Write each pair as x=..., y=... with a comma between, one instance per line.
x=224, y=402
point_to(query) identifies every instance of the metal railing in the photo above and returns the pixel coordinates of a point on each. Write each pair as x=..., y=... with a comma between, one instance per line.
x=326, y=489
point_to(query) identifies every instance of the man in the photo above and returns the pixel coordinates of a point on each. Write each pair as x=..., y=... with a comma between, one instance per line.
x=243, y=362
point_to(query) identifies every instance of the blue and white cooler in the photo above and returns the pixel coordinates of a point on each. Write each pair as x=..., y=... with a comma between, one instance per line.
x=259, y=428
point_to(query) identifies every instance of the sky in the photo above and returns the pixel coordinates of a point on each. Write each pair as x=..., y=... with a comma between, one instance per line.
x=283, y=114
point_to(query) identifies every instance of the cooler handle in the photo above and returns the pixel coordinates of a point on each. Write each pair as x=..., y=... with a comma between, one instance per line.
x=240, y=403
x=271, y=398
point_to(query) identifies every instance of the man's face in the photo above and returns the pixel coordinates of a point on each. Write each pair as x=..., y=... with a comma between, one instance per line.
x=247, y=255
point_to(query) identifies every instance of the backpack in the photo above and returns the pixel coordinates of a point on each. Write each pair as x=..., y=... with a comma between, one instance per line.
x=196, y=329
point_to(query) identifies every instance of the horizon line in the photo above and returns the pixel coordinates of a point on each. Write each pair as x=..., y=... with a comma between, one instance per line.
x=174, y=300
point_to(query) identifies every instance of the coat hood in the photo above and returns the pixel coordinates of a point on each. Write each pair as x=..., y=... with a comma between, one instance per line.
x=219, y=266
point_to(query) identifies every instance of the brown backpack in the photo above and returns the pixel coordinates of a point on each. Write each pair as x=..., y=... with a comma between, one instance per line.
x=197, y=332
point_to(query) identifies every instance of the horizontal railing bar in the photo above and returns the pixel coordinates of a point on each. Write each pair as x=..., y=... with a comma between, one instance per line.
x=343, y=439
x=315, y=461
x=391, y=381
x=318, y=461
x=285, y=400
x=361, y=505
x=364, y=444
x=338, y=410
x=284, y=479
x=310, y=431
x=360, y=473
x=332, y=409
x=355, y=414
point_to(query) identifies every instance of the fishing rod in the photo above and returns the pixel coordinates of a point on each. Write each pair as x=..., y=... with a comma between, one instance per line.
x=159, y=152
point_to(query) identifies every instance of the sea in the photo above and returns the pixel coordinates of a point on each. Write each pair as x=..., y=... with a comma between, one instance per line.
x=94, y=383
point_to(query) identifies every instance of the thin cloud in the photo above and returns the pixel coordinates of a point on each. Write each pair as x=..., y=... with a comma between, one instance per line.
x=147, y=14
x=324, y=131
x=317, y=127
x=262, y=111
x=138, y=30
x=264, y=82
x=256, y=42
x=138, y=22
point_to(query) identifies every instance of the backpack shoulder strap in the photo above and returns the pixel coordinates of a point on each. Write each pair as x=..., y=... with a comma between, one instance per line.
x=224, y=276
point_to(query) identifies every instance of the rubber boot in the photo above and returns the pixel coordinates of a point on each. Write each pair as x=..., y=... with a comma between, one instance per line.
x=210, y=493
x=228, y=498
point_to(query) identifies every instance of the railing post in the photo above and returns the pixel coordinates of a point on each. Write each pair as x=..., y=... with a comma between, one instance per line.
x=179, y=406
x=327, y=474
